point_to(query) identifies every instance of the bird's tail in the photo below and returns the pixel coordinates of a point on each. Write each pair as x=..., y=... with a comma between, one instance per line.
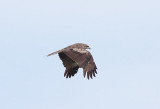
x=54, y=53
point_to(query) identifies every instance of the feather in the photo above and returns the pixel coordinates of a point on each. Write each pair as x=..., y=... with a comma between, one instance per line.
x=76, y=56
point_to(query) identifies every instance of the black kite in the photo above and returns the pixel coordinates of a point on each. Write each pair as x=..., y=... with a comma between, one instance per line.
x=76, y=56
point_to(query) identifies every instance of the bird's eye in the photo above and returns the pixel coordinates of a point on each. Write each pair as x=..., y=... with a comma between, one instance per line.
x=87, y=47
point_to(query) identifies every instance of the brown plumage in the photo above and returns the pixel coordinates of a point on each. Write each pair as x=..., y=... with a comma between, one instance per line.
x=76, y=56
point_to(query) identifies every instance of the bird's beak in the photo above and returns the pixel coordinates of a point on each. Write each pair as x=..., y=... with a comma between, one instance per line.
x=88, y=48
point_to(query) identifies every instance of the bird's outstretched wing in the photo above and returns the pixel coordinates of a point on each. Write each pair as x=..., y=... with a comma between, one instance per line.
x=84, y=60
x=71, y=66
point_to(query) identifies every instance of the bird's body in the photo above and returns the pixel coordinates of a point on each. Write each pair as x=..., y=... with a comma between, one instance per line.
x=76, y=56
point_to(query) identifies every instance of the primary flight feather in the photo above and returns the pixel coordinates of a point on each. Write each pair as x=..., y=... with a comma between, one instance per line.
x=76, y=56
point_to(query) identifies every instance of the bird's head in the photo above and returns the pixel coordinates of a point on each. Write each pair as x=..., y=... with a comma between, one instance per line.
x=86, y=46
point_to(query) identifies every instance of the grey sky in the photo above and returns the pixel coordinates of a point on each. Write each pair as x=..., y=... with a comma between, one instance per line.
x=124, y=37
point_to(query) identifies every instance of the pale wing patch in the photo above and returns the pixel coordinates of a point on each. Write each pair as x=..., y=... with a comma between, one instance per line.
x=80, y=50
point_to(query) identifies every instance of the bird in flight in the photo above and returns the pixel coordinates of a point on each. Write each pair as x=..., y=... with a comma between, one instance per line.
x=76, y=56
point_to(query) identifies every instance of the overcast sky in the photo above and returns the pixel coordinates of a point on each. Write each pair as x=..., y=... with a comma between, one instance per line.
x=124, y=36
